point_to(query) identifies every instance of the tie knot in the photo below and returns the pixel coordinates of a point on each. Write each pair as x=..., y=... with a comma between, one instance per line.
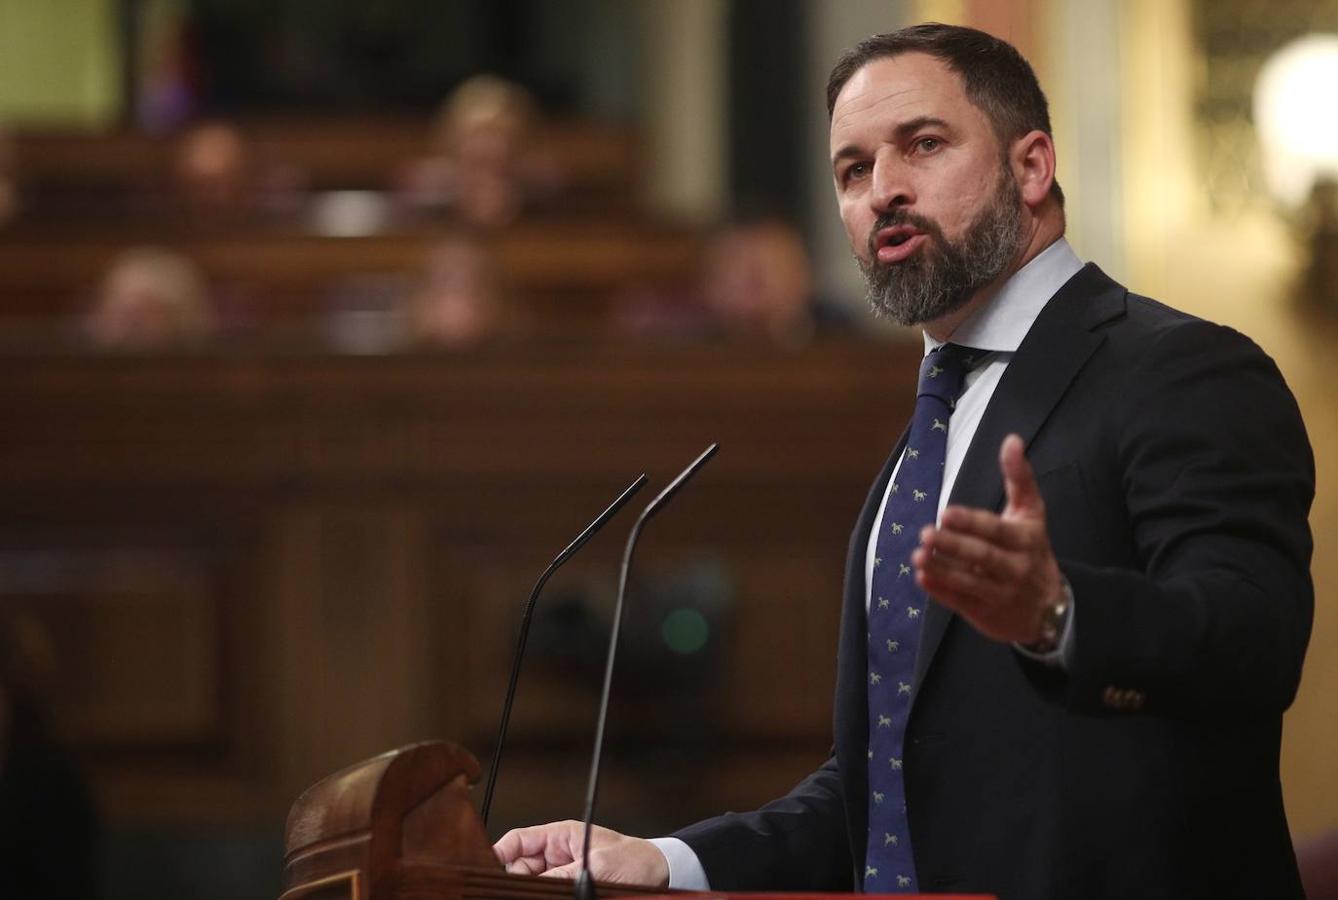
x=943, y=372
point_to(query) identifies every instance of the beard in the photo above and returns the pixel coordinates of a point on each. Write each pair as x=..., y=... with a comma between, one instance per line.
x=945, y=274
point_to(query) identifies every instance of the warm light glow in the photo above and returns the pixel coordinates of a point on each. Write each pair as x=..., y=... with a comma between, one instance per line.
x=1296, y=116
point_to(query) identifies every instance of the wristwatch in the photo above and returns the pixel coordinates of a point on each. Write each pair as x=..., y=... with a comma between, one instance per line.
x=1053, y=619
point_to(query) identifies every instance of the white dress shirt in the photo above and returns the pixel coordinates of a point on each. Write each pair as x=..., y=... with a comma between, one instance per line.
x=999, y=328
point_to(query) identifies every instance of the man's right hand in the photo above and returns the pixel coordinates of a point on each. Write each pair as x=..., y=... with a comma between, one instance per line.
x=554, y=850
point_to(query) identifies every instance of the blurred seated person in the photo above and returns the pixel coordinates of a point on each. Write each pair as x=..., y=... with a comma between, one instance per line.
x=461, y=301
x=755, y=283
x=214, y=170
x=9, y=180
x=218, y=174
x=483, y=166
x=457, y=301
x=151, y=298
x=48, y=824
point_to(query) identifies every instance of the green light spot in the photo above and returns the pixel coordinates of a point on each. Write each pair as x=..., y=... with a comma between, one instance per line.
x=685, y=631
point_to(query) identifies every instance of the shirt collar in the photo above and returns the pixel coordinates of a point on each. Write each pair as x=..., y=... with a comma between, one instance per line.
x=1001, y=324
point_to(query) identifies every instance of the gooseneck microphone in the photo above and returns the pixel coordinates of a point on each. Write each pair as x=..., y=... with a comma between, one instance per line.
x=528, y=616
x=585, y=885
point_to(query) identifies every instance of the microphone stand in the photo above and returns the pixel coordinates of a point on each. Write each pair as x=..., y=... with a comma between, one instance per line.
x=585, y=885
x=524, y=631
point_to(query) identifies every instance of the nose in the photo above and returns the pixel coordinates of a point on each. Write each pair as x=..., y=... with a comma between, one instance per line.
x=891, y=184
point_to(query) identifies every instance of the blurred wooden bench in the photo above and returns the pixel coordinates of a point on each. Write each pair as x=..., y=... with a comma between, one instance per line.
x=565, y=269
x=600, y=158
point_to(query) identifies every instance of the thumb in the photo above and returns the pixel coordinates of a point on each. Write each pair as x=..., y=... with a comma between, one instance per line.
x=1024, y=497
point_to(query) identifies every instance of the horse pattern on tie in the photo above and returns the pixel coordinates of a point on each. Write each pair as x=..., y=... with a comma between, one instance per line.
x=894, y=617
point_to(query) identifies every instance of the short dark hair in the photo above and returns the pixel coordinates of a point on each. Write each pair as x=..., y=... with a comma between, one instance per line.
x=997, y=78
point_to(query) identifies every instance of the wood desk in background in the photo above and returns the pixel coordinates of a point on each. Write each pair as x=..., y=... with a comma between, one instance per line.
x=259, y=569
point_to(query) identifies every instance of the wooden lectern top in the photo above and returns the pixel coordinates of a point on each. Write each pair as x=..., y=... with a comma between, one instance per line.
x=402, y=826
x=809, y=895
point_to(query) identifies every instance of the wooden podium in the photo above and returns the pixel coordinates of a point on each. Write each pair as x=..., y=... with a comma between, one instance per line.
x=402, y=826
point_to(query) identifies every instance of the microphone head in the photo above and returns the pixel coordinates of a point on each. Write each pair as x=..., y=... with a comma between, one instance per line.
x=665, y=495
x=599, y=522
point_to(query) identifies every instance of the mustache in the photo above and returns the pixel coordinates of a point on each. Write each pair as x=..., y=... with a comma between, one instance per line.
x=903, y=217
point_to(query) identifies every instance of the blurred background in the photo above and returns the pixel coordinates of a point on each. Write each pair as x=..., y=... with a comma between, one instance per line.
x=325, y=325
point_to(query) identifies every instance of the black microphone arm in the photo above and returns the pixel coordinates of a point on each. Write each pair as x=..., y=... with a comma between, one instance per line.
x=528, y=616
x=585, y=885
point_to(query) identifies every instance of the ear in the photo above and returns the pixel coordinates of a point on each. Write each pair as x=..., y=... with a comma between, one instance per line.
x=1033, y=162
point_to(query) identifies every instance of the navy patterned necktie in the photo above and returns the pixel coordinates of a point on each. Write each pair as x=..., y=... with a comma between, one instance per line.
x=896, y=607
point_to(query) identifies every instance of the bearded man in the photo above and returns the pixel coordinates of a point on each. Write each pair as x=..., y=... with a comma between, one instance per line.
x=1078, y=597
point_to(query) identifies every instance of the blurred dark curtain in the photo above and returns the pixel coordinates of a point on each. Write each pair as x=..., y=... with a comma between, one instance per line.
x=767, y=84
x=387, y=56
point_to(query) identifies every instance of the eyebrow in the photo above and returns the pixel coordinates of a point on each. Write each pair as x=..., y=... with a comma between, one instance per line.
x=899, y=134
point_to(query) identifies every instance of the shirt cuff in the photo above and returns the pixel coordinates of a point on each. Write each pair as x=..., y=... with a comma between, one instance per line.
x=1062, y=656
x=685, y=870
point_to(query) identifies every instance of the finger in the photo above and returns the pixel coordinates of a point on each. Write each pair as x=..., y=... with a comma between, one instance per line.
x=571, y=870
x=1019, y=481
x=988, y=526
x=552, y=844
x=527, y=865
x=963, y=603
x=510, y=847
x=973, y=553
x=935, y=576
x=968, y=607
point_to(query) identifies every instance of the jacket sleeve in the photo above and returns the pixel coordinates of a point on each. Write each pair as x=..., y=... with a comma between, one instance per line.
x=799, y=842
x=1217, y=475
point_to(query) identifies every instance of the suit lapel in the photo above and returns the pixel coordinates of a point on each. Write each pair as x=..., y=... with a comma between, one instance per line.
x=1059, y=343
x=1062, y=339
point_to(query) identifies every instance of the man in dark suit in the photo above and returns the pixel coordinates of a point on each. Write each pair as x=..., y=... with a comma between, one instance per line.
x=1109, y=612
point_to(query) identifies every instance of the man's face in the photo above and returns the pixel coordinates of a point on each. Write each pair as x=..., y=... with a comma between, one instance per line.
x=929, y=202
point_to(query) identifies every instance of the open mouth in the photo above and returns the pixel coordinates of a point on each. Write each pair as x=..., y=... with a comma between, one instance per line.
x=895, y=237
x=897, y=243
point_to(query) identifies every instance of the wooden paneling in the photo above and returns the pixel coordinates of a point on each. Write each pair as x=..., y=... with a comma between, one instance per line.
x=138, y=639
x=327, y=558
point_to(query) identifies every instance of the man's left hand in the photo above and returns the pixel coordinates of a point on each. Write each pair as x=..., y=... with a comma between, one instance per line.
x=996, y=570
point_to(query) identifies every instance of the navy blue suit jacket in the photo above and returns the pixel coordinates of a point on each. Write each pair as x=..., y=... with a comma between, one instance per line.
x=1177, y=478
